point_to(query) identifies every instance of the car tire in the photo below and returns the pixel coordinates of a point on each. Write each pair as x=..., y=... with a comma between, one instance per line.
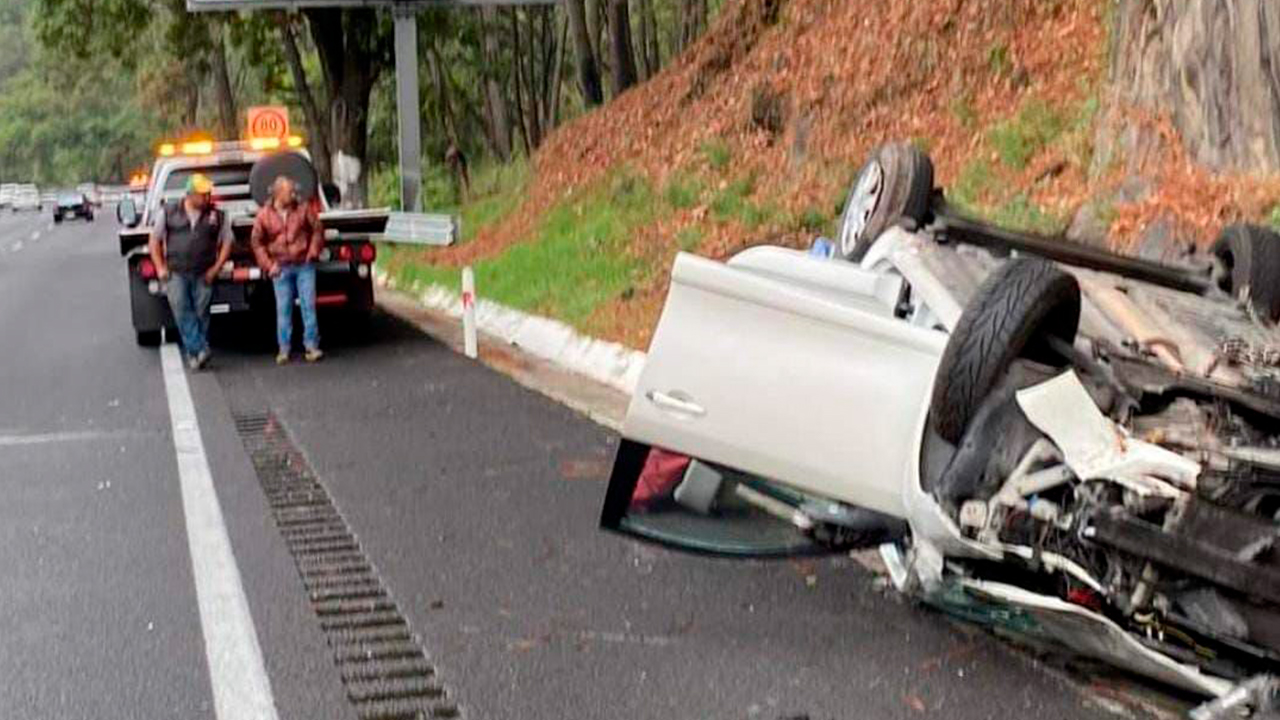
x=57, y=219
x=148, y=338
x=1015, y=308
x=895, y=182
x=1250, y=255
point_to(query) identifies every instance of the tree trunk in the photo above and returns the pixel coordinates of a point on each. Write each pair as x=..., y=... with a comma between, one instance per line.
x=519, y=91
x=1213, y=66
x=344, y=40
x=495, y=101
x=621, y=52
x=686, y=21
x=653, y=53
x=644, y=67
x=557, y=78
x=227, y=119
x=317, y=128
x=588, y=71
x=595, y=28
x=447, y=124
x=191, y=117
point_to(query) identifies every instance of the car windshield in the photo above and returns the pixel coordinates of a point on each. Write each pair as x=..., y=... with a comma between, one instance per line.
x=69, y=198
x=221, y=176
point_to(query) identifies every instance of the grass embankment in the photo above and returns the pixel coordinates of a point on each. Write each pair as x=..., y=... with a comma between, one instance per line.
x=580, y=254
x=575, y=258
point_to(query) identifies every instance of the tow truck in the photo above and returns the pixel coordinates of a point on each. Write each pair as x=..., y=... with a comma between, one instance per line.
x=242, y=171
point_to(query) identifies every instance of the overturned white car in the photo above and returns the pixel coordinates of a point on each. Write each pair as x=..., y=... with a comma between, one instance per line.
x=1086, y=442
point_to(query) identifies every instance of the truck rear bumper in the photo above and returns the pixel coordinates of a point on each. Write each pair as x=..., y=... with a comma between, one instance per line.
x=338, y=285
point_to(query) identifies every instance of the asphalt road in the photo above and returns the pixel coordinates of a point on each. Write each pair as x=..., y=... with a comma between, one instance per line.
x=474, y=498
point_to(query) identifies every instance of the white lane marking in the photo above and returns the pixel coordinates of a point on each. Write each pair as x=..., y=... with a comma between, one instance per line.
x=241, y=688
x=53, y=437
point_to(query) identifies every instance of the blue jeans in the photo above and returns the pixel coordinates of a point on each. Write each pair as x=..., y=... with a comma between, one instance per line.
x=189, y=299
x=296, y=281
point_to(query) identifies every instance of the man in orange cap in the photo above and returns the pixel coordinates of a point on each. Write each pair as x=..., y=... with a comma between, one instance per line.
x=189, y=245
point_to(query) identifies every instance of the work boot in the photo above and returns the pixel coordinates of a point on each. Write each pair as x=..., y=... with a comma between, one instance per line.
x=314, y=355
x=282, y=357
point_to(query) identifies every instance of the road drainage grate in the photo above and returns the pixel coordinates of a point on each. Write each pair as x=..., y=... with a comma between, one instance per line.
x=384, y=669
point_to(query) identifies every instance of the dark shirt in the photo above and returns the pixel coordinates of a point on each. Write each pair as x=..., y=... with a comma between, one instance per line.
x=190, y=240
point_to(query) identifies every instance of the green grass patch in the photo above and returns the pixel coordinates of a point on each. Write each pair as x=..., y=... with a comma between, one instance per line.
x=682, y=191
x=1020, y=213
x=963, y=110
x=717, y=153
x=496, y=190
x=998, y=61
x=976, y=180
x=1019, y=138
x=813, y=220
x=733, y=202
x=576, y=260
x=689, y=238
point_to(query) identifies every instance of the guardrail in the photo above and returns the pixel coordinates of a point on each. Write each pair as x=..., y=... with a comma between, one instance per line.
x=420, y=229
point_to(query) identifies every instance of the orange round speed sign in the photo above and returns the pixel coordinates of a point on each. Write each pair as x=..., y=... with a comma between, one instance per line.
x=268, y=121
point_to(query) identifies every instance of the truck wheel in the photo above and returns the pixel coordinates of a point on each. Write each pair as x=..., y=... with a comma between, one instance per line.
x=1019, y=305
x=1250, y=255
x=148, y=338
x=896, y=182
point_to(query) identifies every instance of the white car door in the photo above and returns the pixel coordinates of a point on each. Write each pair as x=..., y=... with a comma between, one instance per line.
x=790, y=373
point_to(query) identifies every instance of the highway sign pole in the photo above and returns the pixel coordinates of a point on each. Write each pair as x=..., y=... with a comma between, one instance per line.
x=407, y=108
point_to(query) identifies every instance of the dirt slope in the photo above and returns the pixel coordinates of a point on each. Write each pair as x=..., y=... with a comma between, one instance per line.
x=1003, y=94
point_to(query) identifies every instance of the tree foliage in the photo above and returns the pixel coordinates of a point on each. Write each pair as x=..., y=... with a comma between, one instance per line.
x=88, y=87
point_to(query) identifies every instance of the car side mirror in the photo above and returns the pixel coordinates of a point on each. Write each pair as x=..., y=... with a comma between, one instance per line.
x=127, y=212
x=332, y=194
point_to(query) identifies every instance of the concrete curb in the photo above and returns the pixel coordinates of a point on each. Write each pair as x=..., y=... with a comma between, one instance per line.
x=606, y=362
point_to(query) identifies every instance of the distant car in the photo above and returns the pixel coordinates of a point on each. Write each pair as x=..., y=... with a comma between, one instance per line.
x=7, y=191
x=72, y=204
x=27, y=197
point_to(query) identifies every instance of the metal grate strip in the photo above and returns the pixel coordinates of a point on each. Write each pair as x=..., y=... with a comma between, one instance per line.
x=382, y=663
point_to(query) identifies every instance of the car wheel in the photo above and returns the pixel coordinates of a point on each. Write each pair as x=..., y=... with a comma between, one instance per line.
x=1013, y=311
x=896, y=182
x=1250, y=255
x=57, y=219
x=148, y=338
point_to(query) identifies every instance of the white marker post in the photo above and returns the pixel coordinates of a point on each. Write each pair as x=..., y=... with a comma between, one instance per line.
x=469, y=312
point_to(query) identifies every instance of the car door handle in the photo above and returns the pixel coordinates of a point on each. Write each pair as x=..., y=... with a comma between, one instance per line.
x=671, y=403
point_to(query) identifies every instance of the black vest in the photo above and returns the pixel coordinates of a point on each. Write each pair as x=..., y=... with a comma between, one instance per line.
x=191, y=249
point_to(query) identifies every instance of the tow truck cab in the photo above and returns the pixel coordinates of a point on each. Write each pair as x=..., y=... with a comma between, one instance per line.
x=344, y=272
